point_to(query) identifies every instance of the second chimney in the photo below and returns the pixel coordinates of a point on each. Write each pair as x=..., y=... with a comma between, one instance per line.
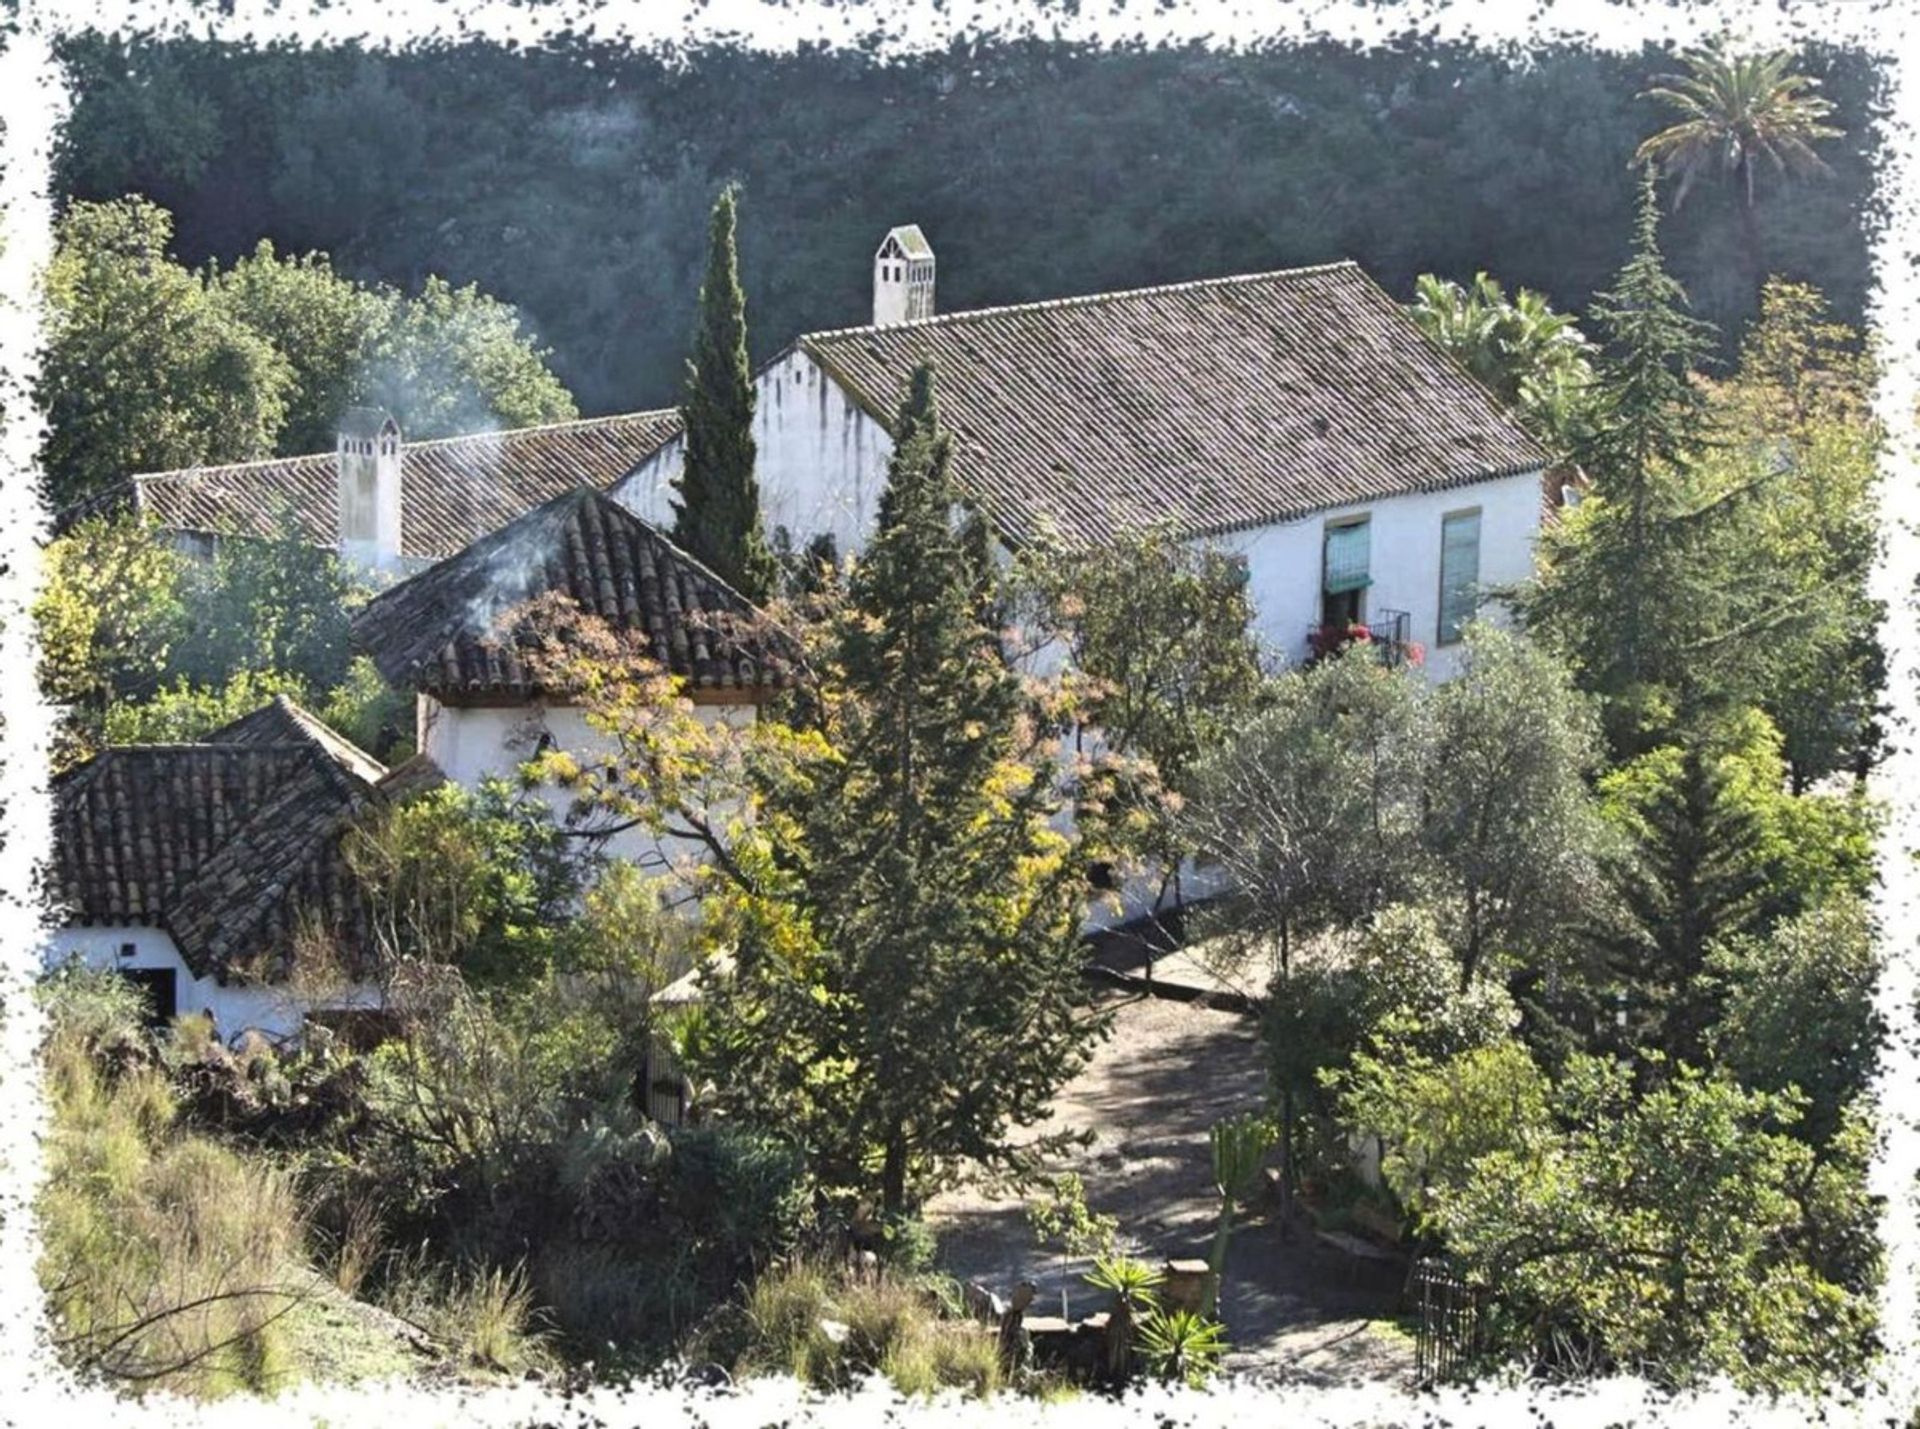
x=368, y=457
x=902, y=277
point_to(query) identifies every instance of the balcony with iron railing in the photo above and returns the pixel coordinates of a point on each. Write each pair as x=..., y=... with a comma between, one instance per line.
x=1386, y=636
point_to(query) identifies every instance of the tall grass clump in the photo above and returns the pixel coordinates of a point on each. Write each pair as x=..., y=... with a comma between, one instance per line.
x=829, y=1329
x=486, y=1316
x=168, y=1260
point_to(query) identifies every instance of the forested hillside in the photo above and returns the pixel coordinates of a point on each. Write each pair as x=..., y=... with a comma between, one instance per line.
x=574, y=181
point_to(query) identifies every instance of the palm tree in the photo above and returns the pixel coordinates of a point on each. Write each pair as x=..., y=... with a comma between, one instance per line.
x=1735, y=111
x=1531, y=357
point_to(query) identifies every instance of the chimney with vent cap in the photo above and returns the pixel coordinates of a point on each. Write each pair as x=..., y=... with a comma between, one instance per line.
x=902, y=277
x=368, y=457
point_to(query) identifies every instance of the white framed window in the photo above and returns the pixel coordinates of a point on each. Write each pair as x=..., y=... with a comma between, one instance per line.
x=1459, y=573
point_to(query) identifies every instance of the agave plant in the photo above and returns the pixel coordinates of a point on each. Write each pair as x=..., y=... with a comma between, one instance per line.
x=1181, y=1346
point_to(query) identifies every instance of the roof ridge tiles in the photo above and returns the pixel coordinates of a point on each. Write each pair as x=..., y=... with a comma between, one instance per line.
x=407, y=444
x=1082, y=300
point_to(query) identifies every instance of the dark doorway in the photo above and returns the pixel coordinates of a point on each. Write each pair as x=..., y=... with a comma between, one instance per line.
x=1340, y=609
x=162, y=992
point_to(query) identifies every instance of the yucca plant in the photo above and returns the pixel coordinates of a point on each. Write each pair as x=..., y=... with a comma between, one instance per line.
x=1181, y=1346
x=1239, y=1146
x=1133, y=1285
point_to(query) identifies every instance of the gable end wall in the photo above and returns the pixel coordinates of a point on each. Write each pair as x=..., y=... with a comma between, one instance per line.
x=822, y=459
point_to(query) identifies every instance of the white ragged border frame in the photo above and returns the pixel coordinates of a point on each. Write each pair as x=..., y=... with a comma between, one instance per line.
x=34, y=1391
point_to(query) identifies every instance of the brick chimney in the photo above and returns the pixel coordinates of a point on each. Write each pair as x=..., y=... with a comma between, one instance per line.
x=368, y=456
x=902, y=277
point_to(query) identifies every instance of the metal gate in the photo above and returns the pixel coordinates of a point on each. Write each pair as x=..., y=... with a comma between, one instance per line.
x=1449, y=1333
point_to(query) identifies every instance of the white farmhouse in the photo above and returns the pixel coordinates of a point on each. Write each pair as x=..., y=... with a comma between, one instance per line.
x=196, y=868
x=1298, y=418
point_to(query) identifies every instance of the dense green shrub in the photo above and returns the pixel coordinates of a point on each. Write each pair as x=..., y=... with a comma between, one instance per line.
x=742, y=1195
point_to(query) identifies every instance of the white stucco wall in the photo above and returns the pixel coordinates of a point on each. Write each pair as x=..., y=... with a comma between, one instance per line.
x=821, y=463
x=1284, y=562
x=236, y=1008
x=472, y=743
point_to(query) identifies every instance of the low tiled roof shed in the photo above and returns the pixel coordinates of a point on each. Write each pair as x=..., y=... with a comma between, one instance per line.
x=228, y=844
x=452, y=631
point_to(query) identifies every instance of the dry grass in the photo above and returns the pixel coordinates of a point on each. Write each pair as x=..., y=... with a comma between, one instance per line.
x=352, y=1253
x=932, y=1355
x=486, y=1316
x=166, y=1257
x=828, y=1329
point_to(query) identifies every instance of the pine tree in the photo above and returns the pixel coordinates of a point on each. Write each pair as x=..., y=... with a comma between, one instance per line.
x=717, y=506
x=907, y=985
x=1619, y=587
x=1721, y=851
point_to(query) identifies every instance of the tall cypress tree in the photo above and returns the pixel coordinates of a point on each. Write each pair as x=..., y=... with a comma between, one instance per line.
x=717, y=506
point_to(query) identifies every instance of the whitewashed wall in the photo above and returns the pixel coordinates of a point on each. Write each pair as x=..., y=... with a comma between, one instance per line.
x=472, y=743
x=236, y=1008
x=1284, y=562
x=822, y=461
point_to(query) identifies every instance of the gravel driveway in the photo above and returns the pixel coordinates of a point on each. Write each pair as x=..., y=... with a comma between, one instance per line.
x=1167, y=1072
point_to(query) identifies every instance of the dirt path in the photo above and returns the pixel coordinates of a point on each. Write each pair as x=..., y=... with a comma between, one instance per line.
x=1153, y=1088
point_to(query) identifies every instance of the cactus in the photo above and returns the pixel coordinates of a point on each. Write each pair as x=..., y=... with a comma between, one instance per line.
x=1239, y=1146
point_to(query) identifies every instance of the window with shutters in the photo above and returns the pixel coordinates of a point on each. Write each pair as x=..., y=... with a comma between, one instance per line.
x=1459, y=573
x=1346, y=574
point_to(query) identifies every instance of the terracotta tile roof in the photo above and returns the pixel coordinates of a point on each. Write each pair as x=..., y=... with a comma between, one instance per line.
x=281, y=721
x=448, y=630
x=284, y=869
x=453, y=490
x=226, y=844
x=1216, y=405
